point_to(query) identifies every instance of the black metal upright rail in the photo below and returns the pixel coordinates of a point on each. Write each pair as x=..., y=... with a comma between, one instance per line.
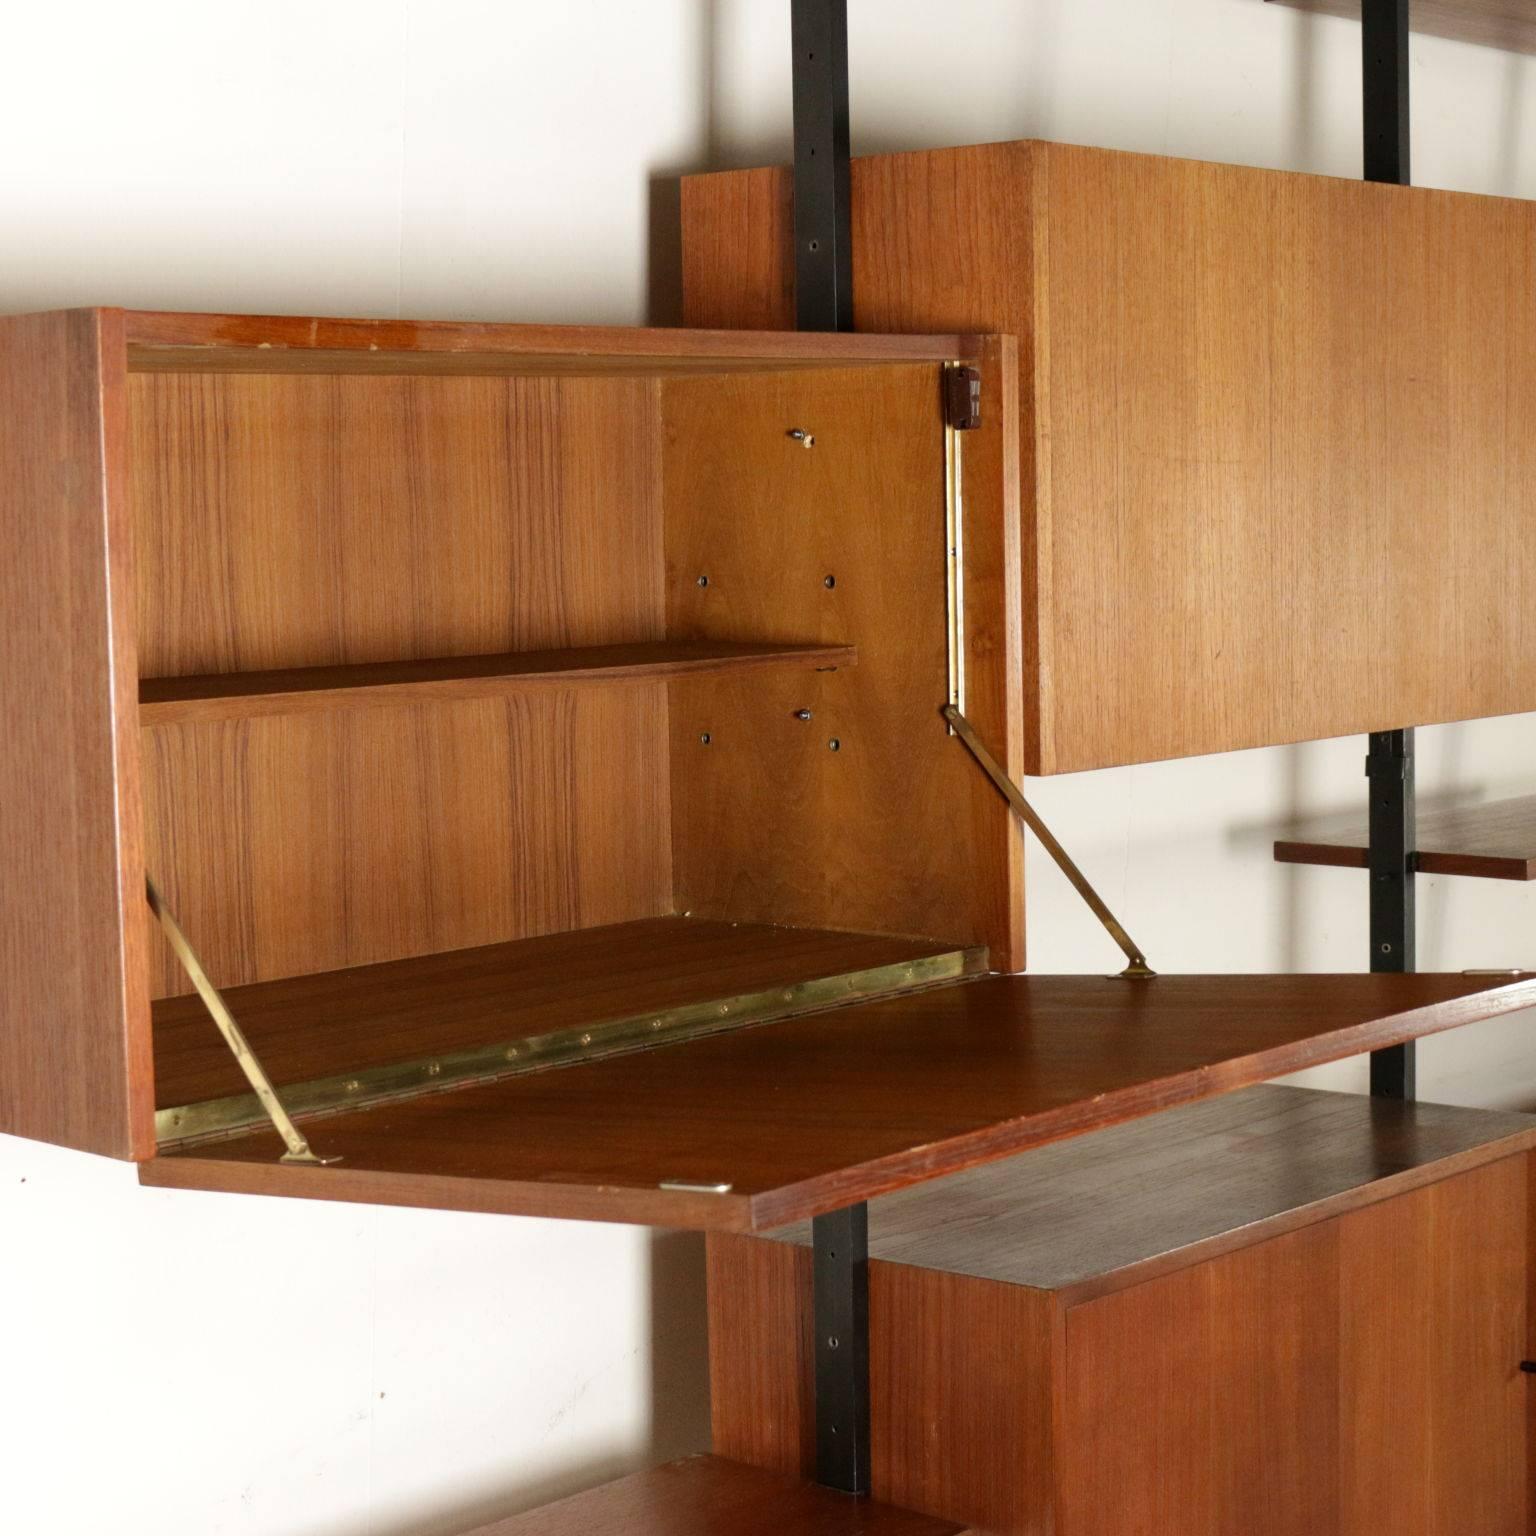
x=824, y=302
x=1389, y=756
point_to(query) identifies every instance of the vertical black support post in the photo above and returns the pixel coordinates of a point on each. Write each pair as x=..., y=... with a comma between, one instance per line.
x=840, y=1261
x=823, y=240
x=1389, y=758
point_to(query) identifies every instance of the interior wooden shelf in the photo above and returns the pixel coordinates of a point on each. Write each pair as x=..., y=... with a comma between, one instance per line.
x=750, y=1130
x=709, y=1496
x=1231, y=1172
x=675, y=972
x=1507, y=24
x=1493, y=841
x=233, y=695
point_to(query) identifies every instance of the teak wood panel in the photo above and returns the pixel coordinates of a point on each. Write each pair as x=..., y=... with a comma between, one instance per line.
x=1356, y=1374
x=1076, y=1218
x=301, y=843
x=290, y=522
x=74, y=1008
x=894, y=829
x=1509, y=24
x=240, y=695
x=306, y=1027
x=1493, y=841
x=1267, y=418
x=710, y=1496
x=814, y=1113
x=168, y=342
x=317, y=522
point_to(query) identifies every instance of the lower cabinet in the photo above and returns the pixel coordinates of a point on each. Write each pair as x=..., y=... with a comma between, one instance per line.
x=1282, y=1312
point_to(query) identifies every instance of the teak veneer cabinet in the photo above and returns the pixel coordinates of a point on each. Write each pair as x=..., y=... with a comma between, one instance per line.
x=1266, y=420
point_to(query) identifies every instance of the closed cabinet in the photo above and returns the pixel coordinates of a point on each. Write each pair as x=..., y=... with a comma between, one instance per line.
x=1284, y=1313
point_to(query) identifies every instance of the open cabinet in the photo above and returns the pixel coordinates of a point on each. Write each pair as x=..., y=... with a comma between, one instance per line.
x=478, y=697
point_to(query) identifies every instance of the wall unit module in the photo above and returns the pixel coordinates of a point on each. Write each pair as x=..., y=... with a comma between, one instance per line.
x=1283, y=1311
x=1494, y=23
x=1266, y=419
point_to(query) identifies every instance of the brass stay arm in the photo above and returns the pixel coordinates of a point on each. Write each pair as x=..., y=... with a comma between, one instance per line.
x=298, y=1148
x=1138, y=967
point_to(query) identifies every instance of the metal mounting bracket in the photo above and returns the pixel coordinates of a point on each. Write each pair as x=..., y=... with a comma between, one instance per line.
x=840, y=1295
x=1138, y=969
x=293, y=1138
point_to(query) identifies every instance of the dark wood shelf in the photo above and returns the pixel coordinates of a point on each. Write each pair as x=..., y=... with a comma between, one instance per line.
x=1493, y=841
x=1077, y=1217
x=1507, y=24
x=671, y=972
x=239, y=695
x=751, y=1130
x=709, y=1496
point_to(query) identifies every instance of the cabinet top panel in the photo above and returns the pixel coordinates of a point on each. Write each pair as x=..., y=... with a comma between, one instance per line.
x=167, y=342
x=766, y=1126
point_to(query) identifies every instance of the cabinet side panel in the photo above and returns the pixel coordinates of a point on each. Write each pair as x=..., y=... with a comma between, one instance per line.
x=837, y=798
x=74, y=1026
x=1434, y=1405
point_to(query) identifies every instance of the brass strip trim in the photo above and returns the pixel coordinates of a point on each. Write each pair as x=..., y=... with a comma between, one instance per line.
x=1138, y=967
x=264, y=1099
x=563, y=1047
x=954, y=557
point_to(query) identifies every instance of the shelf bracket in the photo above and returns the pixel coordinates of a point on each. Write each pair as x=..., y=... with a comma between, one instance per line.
x=1384, y=81
x=1137, y=969
x=299, y=1150
x=840, y=1295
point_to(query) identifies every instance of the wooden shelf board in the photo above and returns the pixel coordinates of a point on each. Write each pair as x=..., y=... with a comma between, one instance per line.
x=336, y=1022
x=752, y=1130
x=1508, y=24
x=709, y=1496
x=1105, y=1211
x=238, y=695
x=166, y=342
x=1492, y=841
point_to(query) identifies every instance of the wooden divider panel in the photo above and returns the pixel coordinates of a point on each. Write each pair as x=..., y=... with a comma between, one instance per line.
x=838, y=798
x=74, y=1011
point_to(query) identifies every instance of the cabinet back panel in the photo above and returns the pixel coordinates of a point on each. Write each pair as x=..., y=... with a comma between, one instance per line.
x=296, y=521
x=897, y=830
x=299, y=843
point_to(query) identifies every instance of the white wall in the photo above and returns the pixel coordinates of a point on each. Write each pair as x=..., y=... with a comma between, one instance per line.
x=175, y=1361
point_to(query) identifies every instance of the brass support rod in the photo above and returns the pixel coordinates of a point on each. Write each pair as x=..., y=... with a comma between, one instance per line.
x=298, y=1148
x=1011, y=792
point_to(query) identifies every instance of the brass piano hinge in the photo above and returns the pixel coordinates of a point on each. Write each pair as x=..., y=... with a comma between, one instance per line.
x=298, y=1148
x=1138, y=967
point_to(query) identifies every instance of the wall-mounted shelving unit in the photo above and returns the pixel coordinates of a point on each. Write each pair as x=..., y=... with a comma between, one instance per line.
x=1508, y=24
x=473, y=701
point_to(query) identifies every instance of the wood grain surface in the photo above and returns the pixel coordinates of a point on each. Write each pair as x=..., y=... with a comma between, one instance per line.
x=1495, y=840
x=710, y=1496
x=307, y=1027
x=893, y=830
x=1101, y=1212
x=1508, y=24
x=240, y=695
x=814, y=1113
x=163, y=341
x=1241, y=462
x=74, y=1007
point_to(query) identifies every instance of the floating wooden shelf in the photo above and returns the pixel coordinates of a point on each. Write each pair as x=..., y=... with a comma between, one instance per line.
x=1507, y=24
x=751, y=1130
x=410, y=1026
x=1492, y=841
x=709, y=1496
x=236, y=695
